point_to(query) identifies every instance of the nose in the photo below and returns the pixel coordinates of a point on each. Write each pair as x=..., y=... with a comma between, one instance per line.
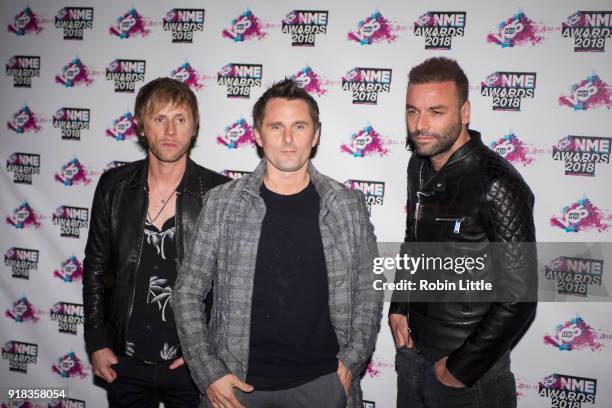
x=288, y=135
x=170, y=127
x=422, y=123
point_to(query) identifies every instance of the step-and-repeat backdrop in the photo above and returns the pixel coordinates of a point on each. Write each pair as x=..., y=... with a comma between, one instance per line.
x=540, y=75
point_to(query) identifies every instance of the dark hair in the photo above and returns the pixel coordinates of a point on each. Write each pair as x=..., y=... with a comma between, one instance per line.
x=440, y=69
x=287, y=89
x=162, y=91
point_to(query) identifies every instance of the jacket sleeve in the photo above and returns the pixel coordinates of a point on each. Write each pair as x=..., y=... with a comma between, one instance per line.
x=367, y=302
x=95, y=265
x=193, y=283
x=508, y=212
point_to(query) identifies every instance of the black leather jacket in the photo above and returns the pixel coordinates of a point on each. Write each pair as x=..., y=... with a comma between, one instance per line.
x=115, y=241
x=488, y=197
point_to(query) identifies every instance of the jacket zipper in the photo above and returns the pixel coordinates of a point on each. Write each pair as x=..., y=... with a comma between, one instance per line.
x=457, y=222
x=417, y=211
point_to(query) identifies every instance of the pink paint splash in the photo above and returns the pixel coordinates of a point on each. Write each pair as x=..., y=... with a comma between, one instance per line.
x=581, y=216
x=73, y=173
x=22, y=404
x=245, y=27
x=23, y=121
x=69, y=366
x=73, y=74
x=517, y=30
x=376, y=367
x=130, y=25
x=26, y=22
x=365, y=142
x=590, y=93
x=522, y=387
x=238, y=134
x=70, y=270
x=186, y=74
x=513, y=149
x=23, y=311
x=307, y=79
x=24, y=216
x=574, y=334
x=373, y=29
x=124, y=127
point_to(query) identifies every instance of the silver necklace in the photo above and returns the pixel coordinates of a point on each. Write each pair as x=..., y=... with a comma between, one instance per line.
x=162, y=209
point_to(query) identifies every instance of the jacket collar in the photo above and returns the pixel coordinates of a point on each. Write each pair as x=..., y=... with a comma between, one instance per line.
x=461, y=153
x=189, y=183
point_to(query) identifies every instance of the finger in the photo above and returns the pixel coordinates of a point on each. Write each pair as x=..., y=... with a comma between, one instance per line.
x=400, y=340
x=112, y=375
x=226, y=402
x=242, y=386
x=177, y=363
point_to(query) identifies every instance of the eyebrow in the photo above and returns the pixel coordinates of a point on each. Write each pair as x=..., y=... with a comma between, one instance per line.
x=435, y=107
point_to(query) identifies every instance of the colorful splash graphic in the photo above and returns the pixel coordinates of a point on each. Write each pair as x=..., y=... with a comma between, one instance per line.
x=26, y=22
x=129, y=25
x=69, y=366
x=311, y=82
x=70, y=270
x=373, y=29
x=73, y=74
x=19, y=403
x=238, y=134
x=376, y=367
x=513, y=149
x=73, y=173
x=517, y=30
x=245, y=27
x=189, y=76
x=590, y=93
x=23, y=311
x=23, y=121
x=24, y=216
x=123, y=127
x=575, y=334
x=365, y=142
x=522, y=387
x=581, y=216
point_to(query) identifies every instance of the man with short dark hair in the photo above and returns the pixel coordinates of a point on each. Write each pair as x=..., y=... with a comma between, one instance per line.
x=457, y=354
x=142, y=217
x=290, y=253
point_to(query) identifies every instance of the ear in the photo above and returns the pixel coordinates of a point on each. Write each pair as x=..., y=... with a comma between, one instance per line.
x=315, y=141
x=141, y=132
x=466, y=113
x=257, y=138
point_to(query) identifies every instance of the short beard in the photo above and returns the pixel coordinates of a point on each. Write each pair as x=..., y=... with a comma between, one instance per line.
x=443, y=142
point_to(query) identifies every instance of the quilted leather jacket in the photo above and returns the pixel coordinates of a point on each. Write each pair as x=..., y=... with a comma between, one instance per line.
x=115, y=241
x=476, y=197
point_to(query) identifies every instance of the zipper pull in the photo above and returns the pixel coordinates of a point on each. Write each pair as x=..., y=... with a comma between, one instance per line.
x=457, y=226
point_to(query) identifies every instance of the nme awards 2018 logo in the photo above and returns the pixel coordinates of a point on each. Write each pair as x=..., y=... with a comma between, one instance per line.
x=513, y=149
x=125, y=73
x=23, y=311
x=70, y=366
x=130, y=25
x=516, y=30
x=23, y=121
x=373, y=29
x=580, y=154
x=70, y=270
x=239, y=78
x=26, y=22
x=366, y=83
x=124, y=127
x=244, y=27
x=576, y=334
x=365, y=142
x=573, y=275
x=508, y=89
x=73, y=21
x=71, y=121
x=590, y=93
x=68, y=316
x=23, y=68
x=374, y=191
x=567, y=390
x=439, y=28
x=581, y=216
x=238, y=134
x=304, y=26
x=73, y=173
x=310, y=81
x=235, y=174
x=66, y=403
x=23, y=166
x=589, y=29
x=188, y=75
x=182, y=23
x=71, y=220
x=22, y=261
x=20, y=355
x=73, y=74
x=24, y=216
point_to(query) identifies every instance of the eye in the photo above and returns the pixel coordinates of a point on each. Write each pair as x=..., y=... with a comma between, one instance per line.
x=410, y=111
x=438, y=113
x=275, y=127
x=181, y=120
x=300, y=126
x=158, y=119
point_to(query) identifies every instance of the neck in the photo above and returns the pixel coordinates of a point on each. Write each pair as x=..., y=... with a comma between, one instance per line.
x=164, y=175
x=284, y=182
x=438, y=161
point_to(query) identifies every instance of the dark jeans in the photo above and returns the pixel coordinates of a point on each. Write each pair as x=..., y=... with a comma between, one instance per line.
x=418, y=387
x=324, y=392
x=144, y=385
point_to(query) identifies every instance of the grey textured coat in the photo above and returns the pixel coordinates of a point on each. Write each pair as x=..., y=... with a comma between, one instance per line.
x=224, y=250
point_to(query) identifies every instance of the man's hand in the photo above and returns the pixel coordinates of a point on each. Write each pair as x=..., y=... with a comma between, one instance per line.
x=345, y=377
x=399, y=329
x=221, y=392
x=444, y=376
x=101, y=361
x=177, y=363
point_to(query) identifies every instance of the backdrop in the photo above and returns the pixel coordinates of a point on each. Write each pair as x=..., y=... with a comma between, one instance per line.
x=540, y=94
